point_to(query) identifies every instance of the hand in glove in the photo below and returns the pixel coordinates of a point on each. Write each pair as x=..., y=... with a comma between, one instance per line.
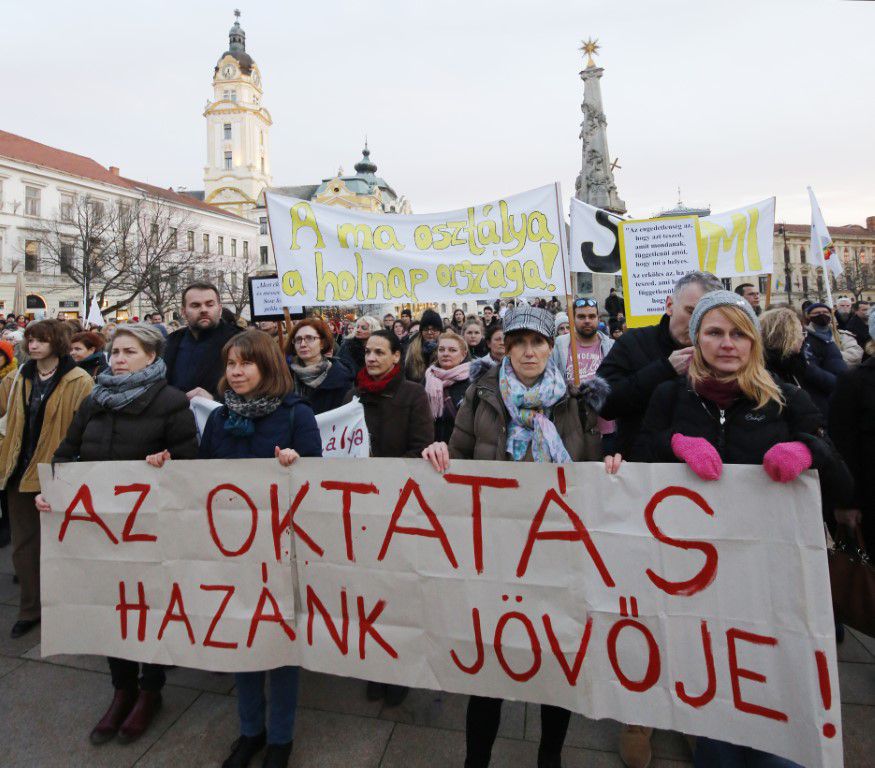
x=699, y=455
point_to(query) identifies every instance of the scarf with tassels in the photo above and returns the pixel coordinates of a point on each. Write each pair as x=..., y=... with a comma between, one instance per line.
x=243, y=412
x=528, y=407
x=438, y=379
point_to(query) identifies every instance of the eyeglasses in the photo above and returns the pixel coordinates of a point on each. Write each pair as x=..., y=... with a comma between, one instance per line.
x=305, y=340
x=585, y=303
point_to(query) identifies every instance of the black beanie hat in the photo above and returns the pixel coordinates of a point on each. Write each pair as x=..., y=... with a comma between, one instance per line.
x=430, y=319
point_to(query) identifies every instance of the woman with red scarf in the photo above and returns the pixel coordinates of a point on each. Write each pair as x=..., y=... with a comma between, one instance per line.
x=400, y=425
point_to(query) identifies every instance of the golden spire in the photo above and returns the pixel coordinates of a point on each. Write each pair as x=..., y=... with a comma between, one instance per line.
x=590, y=47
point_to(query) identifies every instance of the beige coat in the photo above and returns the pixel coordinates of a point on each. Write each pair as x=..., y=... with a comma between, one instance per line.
x=75, y=385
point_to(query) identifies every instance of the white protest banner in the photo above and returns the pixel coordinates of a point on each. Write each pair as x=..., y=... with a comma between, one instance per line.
x=343, y=430
x=650, y=597
x=332, y=255
x=731, y=244
x=655, y=254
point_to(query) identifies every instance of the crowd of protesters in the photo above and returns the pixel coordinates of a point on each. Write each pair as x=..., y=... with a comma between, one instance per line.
x=718, y=380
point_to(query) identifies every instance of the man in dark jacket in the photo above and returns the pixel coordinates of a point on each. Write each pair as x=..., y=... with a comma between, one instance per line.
x=643, y=358
x=858, y=322
x=194, y=354
x=614, y=304
x=825, y=361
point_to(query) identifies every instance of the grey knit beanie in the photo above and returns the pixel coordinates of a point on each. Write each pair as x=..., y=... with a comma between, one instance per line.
x=714, y=299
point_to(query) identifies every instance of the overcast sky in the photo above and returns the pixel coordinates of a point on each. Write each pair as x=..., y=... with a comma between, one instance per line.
x=467, y=100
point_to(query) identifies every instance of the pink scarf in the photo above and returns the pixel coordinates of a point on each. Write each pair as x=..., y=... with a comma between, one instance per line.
x=437, y=380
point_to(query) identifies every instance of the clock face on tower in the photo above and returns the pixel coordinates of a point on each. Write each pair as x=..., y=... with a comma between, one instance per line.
x=256, y=78
x=228, y=71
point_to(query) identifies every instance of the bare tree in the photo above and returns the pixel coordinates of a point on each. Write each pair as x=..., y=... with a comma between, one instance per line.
x=116, y=251
x=858, y=275
x=233, y=283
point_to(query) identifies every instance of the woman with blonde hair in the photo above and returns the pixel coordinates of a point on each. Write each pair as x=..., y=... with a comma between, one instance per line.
x=730, y=409
x=446, y=381
x=352, y=351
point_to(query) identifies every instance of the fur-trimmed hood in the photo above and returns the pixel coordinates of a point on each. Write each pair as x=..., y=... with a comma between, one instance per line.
x=593, y=392
x=480, y=366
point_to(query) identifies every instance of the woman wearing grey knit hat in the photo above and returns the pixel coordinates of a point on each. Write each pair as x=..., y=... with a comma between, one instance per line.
x=730, y=410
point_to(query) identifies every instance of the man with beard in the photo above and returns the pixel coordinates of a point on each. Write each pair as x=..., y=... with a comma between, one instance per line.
x=194, y=354
x=843, y=312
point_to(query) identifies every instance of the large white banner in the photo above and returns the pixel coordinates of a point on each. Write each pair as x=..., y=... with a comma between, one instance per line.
x=650, y=597
x=731, y=244
x=333, y=255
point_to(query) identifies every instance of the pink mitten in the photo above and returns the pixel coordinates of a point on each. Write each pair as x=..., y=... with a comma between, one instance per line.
x=784, y=462
x=699, y=455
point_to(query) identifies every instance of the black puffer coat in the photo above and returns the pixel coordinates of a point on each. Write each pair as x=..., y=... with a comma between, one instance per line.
x=742, y=433
x=454, y=395
x=636, y=365
x=852, y=427
x=159, y=418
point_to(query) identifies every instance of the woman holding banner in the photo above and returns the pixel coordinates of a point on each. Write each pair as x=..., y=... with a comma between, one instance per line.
x=320, y=379
x=132, y=413
x=400, y=425
x=522, y=410
x=261, y=419
x=729, y=409
x=352, y=351
x=446, y=381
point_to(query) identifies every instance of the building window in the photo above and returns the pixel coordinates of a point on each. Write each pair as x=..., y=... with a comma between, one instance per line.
x=31, y=201
x=263, y=255
x=206, y=243
x=229, y=161
x=66, y=259
x=786, y=254
x=764, y=285
x=245, y=248
x=220, y=245
x=227, y=131
x=226, y=95
x=233, y=248
x=262, y=165
x=1, y=194
x=96, y=209
x=802, y=254
x=233, y=281
x=262, y=225
x=261, y=135
x=220, y=280
x=124, y=213
x=805, y=284
x=31, y=256
x=66, y=207
x=174, y=238
x=727, y=283
x=189, y=244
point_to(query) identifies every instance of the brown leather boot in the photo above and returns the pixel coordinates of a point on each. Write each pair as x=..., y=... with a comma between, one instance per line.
x=121, y=706
x=146, y=707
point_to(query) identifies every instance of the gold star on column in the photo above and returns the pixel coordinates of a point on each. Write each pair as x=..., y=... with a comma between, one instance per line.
x=590, y=47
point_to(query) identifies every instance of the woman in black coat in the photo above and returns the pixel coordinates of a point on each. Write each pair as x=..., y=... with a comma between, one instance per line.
x=321, y=379
x=729, y=409
x=446, y=382
x=132, y=413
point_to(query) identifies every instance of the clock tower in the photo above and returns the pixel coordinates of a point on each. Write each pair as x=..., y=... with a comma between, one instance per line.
x=238, y=149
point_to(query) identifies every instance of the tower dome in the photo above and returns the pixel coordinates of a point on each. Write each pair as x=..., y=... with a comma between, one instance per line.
x=237, y=47
x=365, y=165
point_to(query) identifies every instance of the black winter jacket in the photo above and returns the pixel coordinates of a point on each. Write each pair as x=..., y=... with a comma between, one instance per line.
x=159, y=418
x=398, y=418
x=94, y=364
x=636, y=365
x=210, y=370
x=825, y=365
x=331, y=393
x=352, y=354
x=742, y=433
x=454, y=396
x=852, y=428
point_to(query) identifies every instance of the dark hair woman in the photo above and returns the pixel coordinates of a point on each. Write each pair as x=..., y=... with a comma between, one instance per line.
x=729, y=409
x=446, y=381
x=132, y=413
x=422, y=346
x=473, y=335
x=261, y=419
x=44, y=398
x=400, y=425
x=321, y=379
x=457, y=324
x=522, y=410
x=86, y=348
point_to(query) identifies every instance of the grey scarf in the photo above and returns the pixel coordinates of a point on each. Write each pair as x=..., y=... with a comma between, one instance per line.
x=240, y=422
x=310, y=375
x=115, y=392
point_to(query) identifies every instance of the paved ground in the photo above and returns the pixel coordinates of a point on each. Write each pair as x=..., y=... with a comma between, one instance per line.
x=47, y=708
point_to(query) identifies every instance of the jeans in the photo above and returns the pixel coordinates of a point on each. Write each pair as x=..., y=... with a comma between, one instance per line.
x=251, y=704
x=125, y=672
x=484, y=717
x=711, y=753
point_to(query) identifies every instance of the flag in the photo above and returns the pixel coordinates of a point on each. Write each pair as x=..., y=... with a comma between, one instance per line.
x=821, y=241
x=94, y=315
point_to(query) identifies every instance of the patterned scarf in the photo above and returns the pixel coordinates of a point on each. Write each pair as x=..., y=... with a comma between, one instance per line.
x=438, y=379
x=527, y=406
x=243, y=412
x=309, y=375
x=115, y=392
